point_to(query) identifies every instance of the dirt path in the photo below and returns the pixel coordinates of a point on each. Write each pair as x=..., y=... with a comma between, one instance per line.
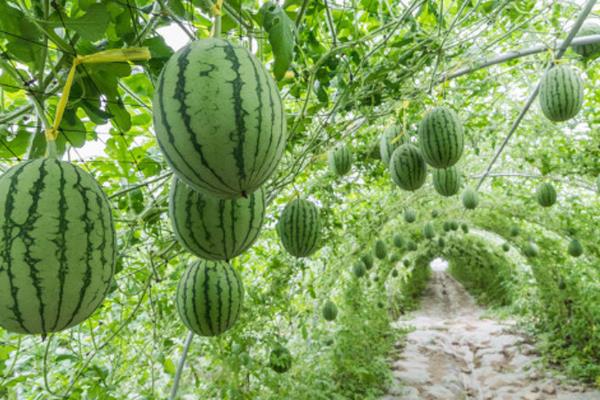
x=455, y=354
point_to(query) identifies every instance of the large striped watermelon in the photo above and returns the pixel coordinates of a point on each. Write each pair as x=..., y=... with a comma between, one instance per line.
x=209, y=297
x=588, y=50
x=408, y=168
x=546, y=195
x=390, y=140
x=218, y=118
x=470, y=198
x=300, y=228
x=446, y=181
x=340, y=160
x=561, y=93
x=214, y=228
x=57, y=246
x=441, y=138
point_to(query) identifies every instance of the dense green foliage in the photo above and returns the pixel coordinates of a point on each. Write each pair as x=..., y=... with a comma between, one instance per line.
x=345, y=72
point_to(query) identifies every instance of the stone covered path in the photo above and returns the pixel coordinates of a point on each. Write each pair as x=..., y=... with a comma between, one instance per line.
x=454, y=353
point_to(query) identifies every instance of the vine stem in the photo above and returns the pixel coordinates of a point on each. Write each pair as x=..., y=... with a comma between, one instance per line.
x=561, y=51
x=186, y=348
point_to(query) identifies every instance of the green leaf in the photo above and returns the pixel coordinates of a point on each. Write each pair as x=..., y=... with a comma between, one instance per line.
x=92, y=24
x=281, y=36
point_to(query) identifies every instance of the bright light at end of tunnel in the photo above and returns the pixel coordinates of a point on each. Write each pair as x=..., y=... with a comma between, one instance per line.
x=439, y=264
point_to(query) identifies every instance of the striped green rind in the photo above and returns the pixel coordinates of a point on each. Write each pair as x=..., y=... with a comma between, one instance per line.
x=330, y=311
x=359, y=269
x=454, y=225
x=367, y=259
x=410, y=215
x=441, y=138
x=214, y=228
x=299, y=228
x=505, y=247
x=406, y=262
x=380, y=249
x=531, y=250
x=408, y=168
x=390, y=140
x=546, y=195
x=514, y=231
x=588, y=50
x=398, y=241
x=428, y=230
x=446, y=181
x=575, y=248
x=340, y=160
x=465, y=228
x=209, y=297
x=57, y=246
x=470, y=198
x=280, y=359
x=218, y=118
x=561, y=93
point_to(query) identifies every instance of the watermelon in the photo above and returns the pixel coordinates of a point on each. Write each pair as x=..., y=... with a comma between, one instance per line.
x=58, y=248
x=454, y=225
x=441, y=138
x=300, y=228
x=411, y=246
x=394, y=273
x=390, y=140
x=280, y=359
x=465, y=228
x=446, y=181
x=435, y=213
x=380, y=249
x=209, y=297
x=340, y=160
x=406, y=262
x=514, y=231
x=398, y=241
x=379, y=304
x=470, y=198
x=410, y=215
x=330, y=311
x=218, y=118
x=561, y=93
x=408, y=168
x=447, y=226
x=588, y=50
x=546, y=195
x=428, y=230
x=575, y=248
x=505, y=247
x=359, y=269
x=531, y=250
x=214, y=228
x=367, y=259
x=375, y=278
x=394, y=258
x=441, y=242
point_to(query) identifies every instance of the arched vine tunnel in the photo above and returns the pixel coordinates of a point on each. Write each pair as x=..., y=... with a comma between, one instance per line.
x=348, y=73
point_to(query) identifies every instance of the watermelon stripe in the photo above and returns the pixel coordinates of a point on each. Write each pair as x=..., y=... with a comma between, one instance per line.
x=218, y=317
x=62, y=258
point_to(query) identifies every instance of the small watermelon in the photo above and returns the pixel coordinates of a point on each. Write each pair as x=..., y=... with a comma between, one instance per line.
x=280, y=359
x=410, y=215
x=546, y=195
x=390, y=140
x=592, y=50
x=441, y=242
x=340, y=160
x=454, y=225
x=506, y=247
x=575, y=248
x=359, y=269
x=514, y=231
x=447, y=226
x=367, y=259
x=408, y=168
x=561, y=93
x=398, y=241
x=428, y=230
x=441, y=138
x=435, y=213
x=446, y=181
x=406, y=262
x=209, y=297
x=394, y=258
x=470, y=198
x=300, y=228
x=330, y=311
x=411, y=246
x=380, y=249
x=394, y=273
x=465, y=228
x=531, y=250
